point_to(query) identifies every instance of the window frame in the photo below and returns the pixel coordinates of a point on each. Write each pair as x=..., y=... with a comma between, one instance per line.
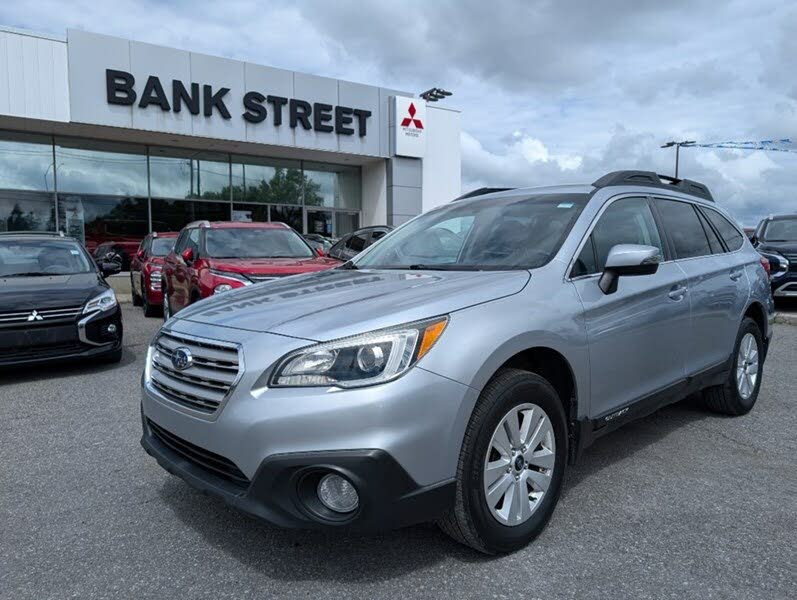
x=697, y=208
x=586, y=238
x=705, y=210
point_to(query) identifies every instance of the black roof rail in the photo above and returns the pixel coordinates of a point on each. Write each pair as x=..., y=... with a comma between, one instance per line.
x=651, y=179
x=481, y=192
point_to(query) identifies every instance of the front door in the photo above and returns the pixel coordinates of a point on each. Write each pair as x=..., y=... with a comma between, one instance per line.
x=636, y=334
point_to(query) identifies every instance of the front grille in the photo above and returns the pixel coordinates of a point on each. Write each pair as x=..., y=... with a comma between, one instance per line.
x=262, y=278
x=792, y=258
x=66, y=313
x=200, y=457
x=36, y=352
x=205, y=383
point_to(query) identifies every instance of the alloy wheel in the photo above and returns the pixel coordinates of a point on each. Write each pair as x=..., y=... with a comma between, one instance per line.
x=519, y=464
x=747, y=365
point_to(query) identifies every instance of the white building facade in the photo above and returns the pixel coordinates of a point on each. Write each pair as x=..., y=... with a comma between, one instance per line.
x=107, y=139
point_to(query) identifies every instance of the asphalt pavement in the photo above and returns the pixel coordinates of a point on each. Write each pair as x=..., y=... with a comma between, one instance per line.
x=681, y=504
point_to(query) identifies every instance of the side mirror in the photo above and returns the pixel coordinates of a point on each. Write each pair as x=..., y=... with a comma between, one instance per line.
x=140, y=254
x=320, y=252
x=628, y=260
x=188, y=255
x=110, y=268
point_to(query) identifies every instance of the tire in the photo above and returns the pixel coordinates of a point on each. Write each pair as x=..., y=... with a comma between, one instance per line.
x=731, y=398
x=472, y=521
x=149, y=309
x=137, y=301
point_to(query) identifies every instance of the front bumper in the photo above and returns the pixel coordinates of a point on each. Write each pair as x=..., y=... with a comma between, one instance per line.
x=282, y=490
x=785, y=286
x=61, y=341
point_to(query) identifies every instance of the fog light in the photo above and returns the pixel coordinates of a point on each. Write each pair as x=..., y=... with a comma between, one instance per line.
x=337, y=493
x=222, y=287
x=112, y=329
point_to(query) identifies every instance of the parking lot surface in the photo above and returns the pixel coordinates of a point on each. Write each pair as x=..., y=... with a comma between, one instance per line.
x=681, y=504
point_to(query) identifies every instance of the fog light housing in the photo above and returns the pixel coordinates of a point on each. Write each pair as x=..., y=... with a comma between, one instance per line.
x=337, y=493
x=111, y=329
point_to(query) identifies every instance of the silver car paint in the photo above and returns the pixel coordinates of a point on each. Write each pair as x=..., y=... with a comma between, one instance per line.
x=618, y=348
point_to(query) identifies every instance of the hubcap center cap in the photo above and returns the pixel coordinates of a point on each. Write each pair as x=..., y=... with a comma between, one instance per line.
x=519, y=463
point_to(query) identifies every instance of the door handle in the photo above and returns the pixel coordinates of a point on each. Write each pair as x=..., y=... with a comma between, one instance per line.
x=736, y=275
x=677, y=292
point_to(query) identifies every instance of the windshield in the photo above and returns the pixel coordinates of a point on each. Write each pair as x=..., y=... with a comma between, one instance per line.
x=31, y=258
x=492, y=233
x=781, y=230
x=162, y=246
x=241, y=242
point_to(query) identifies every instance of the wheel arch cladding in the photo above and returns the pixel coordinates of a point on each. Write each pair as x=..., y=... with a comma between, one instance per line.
x=756, y=312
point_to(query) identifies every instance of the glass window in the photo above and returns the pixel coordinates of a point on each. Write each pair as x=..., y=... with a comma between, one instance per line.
x=290, y=215
x=780, y=230
x=86, y=167
x=248, y=213
x=499, y=233
x=26, y=162
x=189, y=174
x=713, y=241
x=320, y=222
x=99, y=219
x=586, y=263
x=31, y=258
x=346, y=223
x=173, y=215
x=626, y=221
x=332, y=186
x=684, y=229
x=250, y=242
x=161, y=246
x=273, y=181
x=356, y=243
x=378, y=234
x=26, y=211
x=733, y=238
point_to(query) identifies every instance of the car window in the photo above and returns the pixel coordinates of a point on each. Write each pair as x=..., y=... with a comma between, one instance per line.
x=713, y=241
x=733, y=238
x=586, y=263
x=356, y=243
x=40, y=258
x=626, y=221
x=179, y=245
x=193, y=241
x=683, y=226
x=161, y=246
x=377, y=234
x=240, y=242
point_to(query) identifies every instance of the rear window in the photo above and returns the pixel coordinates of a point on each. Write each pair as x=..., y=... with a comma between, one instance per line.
x=240, y=242
x=683, y=228
x=733, y=238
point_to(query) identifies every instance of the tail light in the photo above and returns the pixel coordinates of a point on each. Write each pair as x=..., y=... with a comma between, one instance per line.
x=766, y=265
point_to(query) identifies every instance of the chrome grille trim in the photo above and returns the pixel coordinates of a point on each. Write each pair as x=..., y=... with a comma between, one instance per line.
x=47, y=314
x=203, y=386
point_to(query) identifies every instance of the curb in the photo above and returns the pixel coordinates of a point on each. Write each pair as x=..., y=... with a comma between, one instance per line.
x=786, y=318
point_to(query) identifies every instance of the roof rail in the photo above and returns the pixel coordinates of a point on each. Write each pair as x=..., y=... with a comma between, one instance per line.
x=651, y=179
x=202, y=223
x=481, y=192
x=43, y=233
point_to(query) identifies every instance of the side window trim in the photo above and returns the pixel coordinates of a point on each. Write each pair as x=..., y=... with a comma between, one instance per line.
x=670, y=243
x=587, y=237
x=705, y=210
x=706, y=222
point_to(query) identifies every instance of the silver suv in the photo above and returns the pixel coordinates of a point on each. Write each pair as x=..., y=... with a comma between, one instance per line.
x=454, y=369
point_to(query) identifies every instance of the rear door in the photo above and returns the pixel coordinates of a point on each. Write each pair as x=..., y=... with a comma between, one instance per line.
x=635, y=335
x=718, y=284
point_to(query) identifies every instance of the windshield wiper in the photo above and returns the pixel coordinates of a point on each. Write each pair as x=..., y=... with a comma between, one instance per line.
x=349, y=266
x=32, y=274
x=455, y=267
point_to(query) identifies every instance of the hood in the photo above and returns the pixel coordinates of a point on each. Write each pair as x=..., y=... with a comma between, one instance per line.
x=272, y=266
x=54, y=291
x=336, y=303
x=785, y=248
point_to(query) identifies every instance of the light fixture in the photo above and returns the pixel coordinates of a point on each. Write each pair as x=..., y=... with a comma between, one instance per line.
x=434, y=94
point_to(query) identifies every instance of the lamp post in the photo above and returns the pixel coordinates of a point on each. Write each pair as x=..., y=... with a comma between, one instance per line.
x=435, y=94
x=684, y=143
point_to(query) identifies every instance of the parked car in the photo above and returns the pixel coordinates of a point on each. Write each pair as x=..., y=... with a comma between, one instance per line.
x=55, y=303
x=146, y=268
x=423, y=381
x=351, y=244
x=776, y=239
x=210, y=258
x=319, y=243
x=121, y=252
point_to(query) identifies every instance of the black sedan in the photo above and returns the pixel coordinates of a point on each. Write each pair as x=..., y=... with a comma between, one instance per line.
x=54, y=302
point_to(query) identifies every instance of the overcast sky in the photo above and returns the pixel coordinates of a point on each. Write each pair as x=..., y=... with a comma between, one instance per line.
x=550, y=91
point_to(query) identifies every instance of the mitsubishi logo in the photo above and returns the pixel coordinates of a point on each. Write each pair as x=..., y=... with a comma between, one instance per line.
x=411, y=119
x=35, y=316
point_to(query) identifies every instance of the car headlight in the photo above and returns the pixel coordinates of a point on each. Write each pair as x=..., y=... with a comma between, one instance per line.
x=105, y=301
x=223, y=287
x=361, y=360
x=230, y=276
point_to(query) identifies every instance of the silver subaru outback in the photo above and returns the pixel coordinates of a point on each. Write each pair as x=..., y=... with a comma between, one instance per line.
x=453, y=370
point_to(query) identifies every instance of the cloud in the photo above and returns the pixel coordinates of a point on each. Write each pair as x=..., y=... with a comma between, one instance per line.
x=550, y=91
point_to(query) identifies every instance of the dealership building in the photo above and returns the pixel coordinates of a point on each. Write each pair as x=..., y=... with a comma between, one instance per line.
x=106, y=139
